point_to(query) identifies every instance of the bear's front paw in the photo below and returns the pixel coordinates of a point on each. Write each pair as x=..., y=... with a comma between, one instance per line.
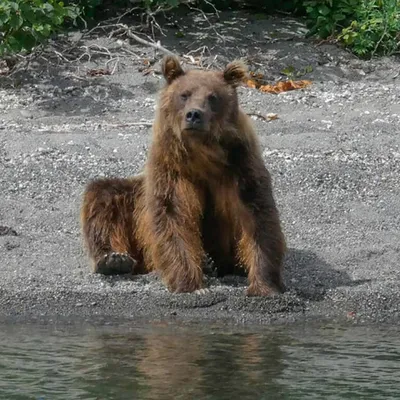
x=115, y=263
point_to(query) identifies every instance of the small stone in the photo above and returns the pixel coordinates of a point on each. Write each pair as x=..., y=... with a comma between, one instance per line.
x=26, y=114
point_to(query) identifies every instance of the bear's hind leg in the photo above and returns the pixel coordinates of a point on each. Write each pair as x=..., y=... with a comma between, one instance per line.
x=107, y=219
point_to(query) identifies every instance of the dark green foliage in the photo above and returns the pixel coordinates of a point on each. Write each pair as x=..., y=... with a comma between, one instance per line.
x=87, y=8
x=25, y=23
x=326, y=17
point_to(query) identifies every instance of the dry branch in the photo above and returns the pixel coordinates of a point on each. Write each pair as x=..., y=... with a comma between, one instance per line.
x=155, y=45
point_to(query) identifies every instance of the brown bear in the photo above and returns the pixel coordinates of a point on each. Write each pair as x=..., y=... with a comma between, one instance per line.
x=205, y=190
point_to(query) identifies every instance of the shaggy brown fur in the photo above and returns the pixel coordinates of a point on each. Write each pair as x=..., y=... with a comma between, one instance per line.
x=205, y=189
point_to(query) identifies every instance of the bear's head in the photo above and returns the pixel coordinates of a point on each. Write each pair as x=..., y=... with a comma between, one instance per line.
x=198, y=103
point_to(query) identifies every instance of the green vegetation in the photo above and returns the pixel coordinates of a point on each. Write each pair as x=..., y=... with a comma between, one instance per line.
x=26, y=23
x=375, y=28
x=367, y=27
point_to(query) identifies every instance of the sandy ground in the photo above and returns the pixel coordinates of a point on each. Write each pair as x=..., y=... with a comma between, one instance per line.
x=333, y=154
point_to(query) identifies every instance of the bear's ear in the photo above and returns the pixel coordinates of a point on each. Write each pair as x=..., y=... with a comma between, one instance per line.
x=171, y=68
x=235, y=72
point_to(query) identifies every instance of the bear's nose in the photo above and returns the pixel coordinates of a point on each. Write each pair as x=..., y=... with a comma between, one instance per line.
x=194, y=117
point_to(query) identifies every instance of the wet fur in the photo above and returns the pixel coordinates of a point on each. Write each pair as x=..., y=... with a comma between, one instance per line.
x=201, y=193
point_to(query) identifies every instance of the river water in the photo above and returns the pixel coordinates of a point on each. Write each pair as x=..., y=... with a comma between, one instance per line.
x=176, y=362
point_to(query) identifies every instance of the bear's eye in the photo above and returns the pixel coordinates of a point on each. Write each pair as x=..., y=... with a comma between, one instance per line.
x=213, y=100
x=185, y=96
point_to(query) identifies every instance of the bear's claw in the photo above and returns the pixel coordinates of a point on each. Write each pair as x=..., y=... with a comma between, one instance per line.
x=115, y=263
x=202, y=291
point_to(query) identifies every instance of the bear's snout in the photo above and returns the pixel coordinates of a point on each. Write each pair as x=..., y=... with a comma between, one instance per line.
x=194, y=119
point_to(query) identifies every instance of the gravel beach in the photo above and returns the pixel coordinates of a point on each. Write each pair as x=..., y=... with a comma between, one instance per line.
x=333, y=153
